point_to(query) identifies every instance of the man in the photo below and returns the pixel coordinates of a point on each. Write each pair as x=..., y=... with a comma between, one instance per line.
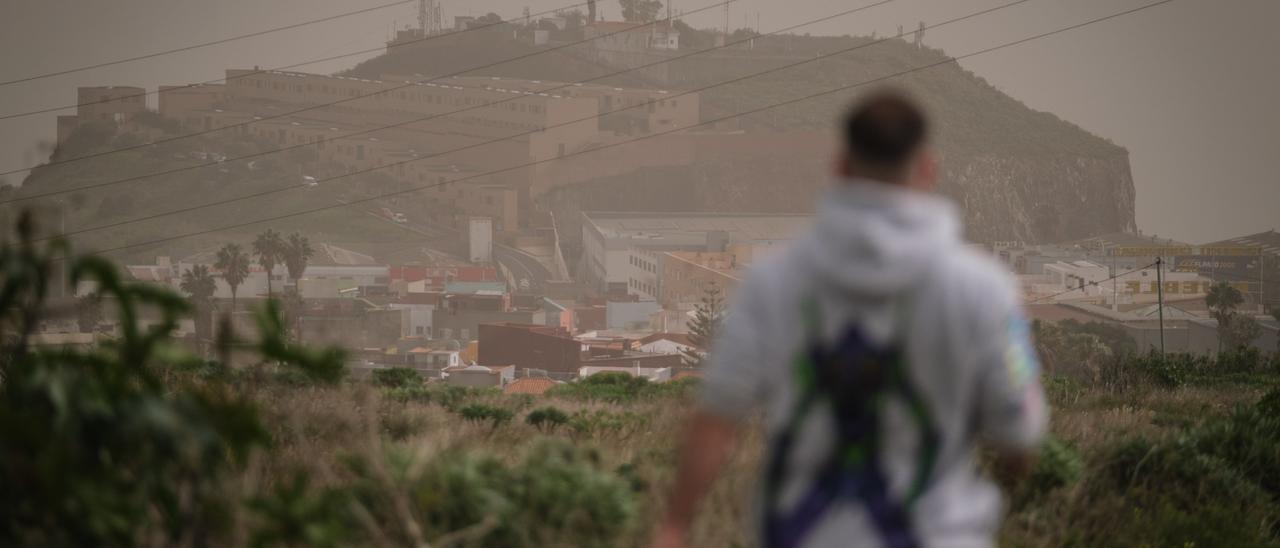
x=882, y=352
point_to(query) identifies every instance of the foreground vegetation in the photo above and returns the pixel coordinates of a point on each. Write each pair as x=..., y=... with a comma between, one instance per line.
x=139, y=442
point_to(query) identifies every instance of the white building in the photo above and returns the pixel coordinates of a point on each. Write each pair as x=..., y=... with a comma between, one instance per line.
x=621, y=250
x=480, y=239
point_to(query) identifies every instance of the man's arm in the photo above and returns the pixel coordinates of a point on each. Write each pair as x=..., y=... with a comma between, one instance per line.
x=733, y=385
x=1013, y=412
x=706, y=446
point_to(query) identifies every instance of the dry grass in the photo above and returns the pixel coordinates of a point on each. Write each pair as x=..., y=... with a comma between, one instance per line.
x=316, y=428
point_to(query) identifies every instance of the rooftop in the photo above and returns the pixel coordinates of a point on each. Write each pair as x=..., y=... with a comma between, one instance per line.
x=529, y=385
x=1269, y=241
x=1124, y=239
x=692, y=228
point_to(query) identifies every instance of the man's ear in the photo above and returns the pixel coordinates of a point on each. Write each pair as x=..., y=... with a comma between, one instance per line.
x=924, y=175
x=840, y=167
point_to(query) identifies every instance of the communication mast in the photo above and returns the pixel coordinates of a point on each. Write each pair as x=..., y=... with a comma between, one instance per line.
x=429, y=17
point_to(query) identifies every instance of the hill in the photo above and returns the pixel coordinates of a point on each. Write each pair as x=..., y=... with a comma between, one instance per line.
x=280, y=175
x=1018, y=173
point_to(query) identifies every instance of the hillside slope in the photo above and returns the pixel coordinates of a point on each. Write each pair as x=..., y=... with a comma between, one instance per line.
x=1017, y=173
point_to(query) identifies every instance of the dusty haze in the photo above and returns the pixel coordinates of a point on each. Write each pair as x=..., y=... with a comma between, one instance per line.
x=1185, y=87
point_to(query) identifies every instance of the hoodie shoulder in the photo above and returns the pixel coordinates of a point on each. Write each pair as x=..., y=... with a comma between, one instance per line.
x=981, y=280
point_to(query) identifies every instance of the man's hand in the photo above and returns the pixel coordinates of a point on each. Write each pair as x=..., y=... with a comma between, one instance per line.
x=707, y=443
x=670, y=536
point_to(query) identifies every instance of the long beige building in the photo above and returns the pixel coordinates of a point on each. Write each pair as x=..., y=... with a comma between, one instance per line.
x=486, y=145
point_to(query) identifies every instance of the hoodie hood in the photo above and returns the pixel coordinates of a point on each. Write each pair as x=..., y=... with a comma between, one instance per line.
x=873, y=238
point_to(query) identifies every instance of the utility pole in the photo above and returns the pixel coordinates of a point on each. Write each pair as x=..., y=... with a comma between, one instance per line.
x=1160, y=299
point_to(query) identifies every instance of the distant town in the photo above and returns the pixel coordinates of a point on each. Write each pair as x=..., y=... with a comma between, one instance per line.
x=501, y=290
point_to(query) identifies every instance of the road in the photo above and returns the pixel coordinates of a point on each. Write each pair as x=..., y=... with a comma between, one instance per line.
x=525, y=268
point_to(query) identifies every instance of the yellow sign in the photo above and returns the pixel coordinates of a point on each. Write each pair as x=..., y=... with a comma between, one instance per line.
x=1169, y=251
x=1177, y=288
x=1151, y=251
x=1232, y=251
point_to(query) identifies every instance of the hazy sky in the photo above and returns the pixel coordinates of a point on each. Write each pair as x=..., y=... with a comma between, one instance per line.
x=1190, y=88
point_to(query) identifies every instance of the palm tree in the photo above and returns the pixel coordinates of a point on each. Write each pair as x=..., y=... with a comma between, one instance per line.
x=234, y=264
x=200, y=286
x=297, y=251
x=1222, y=300
x=269, y=248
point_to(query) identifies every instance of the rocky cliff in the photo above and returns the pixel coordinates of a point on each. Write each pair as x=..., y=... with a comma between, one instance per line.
x=1018, y=173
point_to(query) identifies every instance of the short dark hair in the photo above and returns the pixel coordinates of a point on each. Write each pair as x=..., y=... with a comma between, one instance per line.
x=883, y=131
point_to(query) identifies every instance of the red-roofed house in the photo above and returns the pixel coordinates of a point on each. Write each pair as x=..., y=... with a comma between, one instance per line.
x=667, y=343
x=530, y=385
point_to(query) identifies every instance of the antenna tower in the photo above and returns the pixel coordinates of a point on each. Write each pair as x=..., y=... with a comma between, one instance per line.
x=429, y=17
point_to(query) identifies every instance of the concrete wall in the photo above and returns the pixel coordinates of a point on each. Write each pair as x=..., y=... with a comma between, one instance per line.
x=626, y=315
x=106, y=102
x=527, y=348
x=464, y=325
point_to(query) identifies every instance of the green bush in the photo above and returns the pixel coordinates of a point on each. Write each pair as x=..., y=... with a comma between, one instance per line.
x=130, y=440
x=547, y=419
x=555, y=495
x=399, y=425
x=479, y=413
x=1216, y=484
x=396, y=377
x=416, y=393
x=1175, y=496
x=293, y=513
x=620, y=388
x=607, y=424
x=122, y=444
x=1059, y=465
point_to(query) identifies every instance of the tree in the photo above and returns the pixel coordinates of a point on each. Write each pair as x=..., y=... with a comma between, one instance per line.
x=692, y=38
x=1240, y=332
x=488, y=19
x=269, y=248
x=574, y=19
x=640, y=11
x=705, y=325
x=234, y=264
x=199, y=285
x=297, y=251
x=291, y=306
x=1223, y=299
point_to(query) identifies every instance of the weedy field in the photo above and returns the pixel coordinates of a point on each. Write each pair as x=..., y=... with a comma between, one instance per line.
x=138, y=442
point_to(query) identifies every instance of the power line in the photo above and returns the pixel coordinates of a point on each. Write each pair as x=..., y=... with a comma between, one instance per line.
x=204, y=44
x=531, y=132
x=354, y=98
x=514, y=98
x=1094, y=283
x=650, y=136
x=283, y=67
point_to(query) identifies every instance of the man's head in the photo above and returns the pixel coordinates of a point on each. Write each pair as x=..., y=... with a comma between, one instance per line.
x=885, y=140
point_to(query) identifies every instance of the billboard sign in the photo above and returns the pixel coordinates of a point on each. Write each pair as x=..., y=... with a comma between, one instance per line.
x=1172, y=251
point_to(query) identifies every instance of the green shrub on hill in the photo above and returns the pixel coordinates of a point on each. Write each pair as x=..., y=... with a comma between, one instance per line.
x=121, y=444
x=396, y=377
x=620, y=388
x=555, y=495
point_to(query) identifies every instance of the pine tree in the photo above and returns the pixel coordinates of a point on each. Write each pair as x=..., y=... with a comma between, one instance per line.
x=705, y=325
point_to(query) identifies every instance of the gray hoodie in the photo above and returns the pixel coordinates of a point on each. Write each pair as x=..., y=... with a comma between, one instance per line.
x=887, y=265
